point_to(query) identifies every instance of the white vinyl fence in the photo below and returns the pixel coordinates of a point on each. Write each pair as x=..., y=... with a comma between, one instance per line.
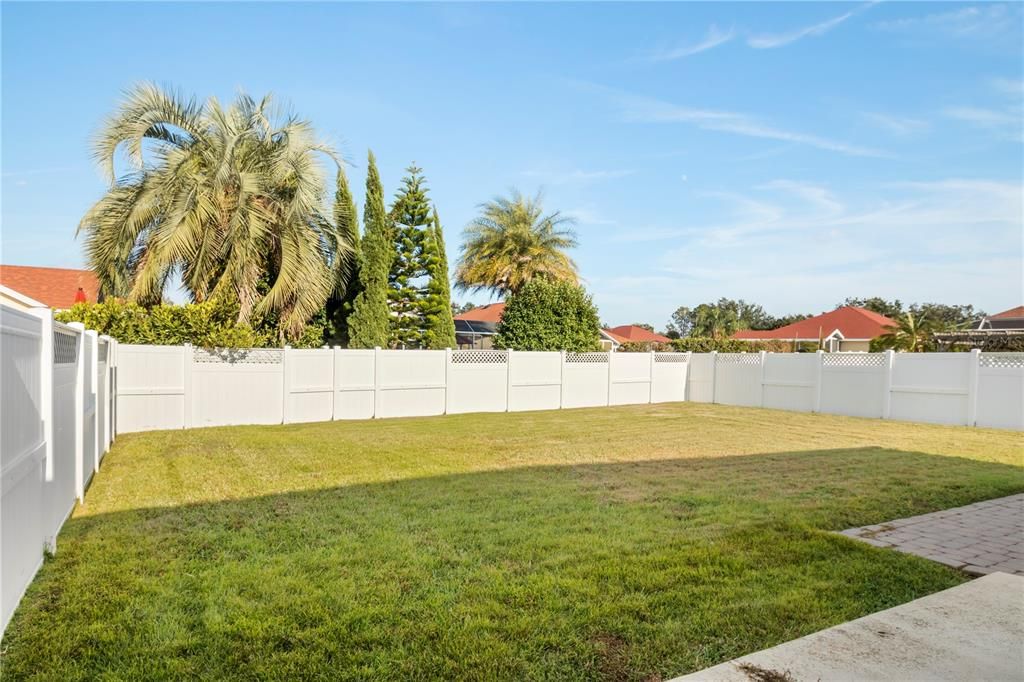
x=173, y=387
x=57, y=413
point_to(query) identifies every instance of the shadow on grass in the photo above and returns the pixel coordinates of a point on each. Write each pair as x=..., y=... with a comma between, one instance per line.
x=638, y=570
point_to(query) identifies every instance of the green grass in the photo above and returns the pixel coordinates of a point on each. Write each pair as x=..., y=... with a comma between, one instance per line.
x=615, y=543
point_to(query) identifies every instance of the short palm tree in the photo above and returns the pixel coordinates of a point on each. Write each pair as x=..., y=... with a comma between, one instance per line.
x=513, y=241
x=227, y=198
x=914, y=334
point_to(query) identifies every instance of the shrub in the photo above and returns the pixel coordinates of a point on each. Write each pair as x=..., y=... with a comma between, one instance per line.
x=209, y=324
x=549, y=316
x=705, y=344
x=644, y=347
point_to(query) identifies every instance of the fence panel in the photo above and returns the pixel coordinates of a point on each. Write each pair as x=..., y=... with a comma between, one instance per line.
x=630, y=378
x=536, y=378
x=585, y=380
x=62, y=488
x=151, y=387
x=87, y=451
x=410, y=383
x=931, y=387
x=477, y=381
x=309, y=385
x=700, y=384
x=23, y=523
x=738, y=379
x=241, y=386
x=353, y=384
x=1000, y=391
x=790, y=381
x=853, y=384
x=669, y=377
x=102, y=395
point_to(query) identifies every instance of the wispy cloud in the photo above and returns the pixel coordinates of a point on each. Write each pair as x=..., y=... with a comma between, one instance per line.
x=650, y=110
x=588, y=216
x=983, y=22
x=715, y=37
x=576, y=176
x=1009, y=86
x=987, y=118
x=769, y=41
x=897, y=125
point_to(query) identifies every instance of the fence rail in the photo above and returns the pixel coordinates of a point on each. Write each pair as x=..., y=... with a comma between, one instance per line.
x=56, y=423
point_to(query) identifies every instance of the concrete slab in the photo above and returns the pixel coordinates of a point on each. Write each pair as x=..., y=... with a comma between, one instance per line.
x=974, y=631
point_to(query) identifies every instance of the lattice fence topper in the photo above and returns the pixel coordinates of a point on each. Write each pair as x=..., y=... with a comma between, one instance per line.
x=583, y=358
x=854, y=360
x=479, y=357
x=238, y=356
x=1002, y=360
x=65, y=347
x=738, y=358
x=670, y=357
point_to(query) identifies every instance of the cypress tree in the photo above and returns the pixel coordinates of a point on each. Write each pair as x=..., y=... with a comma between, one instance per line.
x=368, y=324
x=410, y=215
x=440, y=331
x=346, y=219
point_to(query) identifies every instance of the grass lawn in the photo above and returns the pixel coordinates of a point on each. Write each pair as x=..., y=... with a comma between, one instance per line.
x=614, y=543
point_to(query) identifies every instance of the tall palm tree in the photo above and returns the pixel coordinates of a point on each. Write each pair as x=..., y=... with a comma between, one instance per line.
x=914, y=334
x=513, y=241
x=230, y=199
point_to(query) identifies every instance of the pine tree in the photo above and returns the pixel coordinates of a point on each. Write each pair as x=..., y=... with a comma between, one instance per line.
x=346, y=219
x=440, y=331
x=407, y=282
x=368, y=324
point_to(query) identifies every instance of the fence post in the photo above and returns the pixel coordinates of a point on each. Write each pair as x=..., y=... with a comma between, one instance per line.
x=686, y=376
x=79, y=408
x=819, y=374
x=508, y=380
x=972, y=387
x=376, y=381
x=650, y=379
x=112, y=363
x=887, y=365
x=187, y=364
x=46, y=383
x=763, y=358
x=94, y=373
x=447, y=375
x=286, y=383
x=334, y=382
x=561, y=380
x=714, y=373
x=611, y=358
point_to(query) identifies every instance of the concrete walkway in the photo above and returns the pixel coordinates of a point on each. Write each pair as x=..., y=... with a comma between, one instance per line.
x=980, y=538
x=971, y=632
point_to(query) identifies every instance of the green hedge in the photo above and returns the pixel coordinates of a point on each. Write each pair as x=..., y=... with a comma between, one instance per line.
x=208, y=324
x=549, y=316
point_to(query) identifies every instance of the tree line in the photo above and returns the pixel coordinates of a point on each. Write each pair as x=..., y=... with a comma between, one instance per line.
x=231, y=201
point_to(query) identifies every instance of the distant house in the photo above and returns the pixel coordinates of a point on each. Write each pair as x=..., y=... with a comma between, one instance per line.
x=612, y=338
x=1000, y=332
x=475, y=328
x=1012, y=319
x=25, y=287
x=844, y=329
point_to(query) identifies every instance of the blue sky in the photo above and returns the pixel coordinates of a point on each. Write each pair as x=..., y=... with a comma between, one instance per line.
x=788, y=154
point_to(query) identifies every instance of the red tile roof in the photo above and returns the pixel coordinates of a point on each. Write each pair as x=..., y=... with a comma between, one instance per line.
x=55, y=287
x=852, y=323
x=485, y=313
x=631, y=333
x=1011, y=314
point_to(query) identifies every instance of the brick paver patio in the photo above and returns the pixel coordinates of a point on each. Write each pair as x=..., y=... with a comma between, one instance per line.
x=980, y=538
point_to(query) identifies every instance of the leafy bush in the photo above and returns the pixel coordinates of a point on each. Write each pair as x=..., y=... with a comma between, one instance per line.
x=209, y=324
x=704, y=344
x=549, y=316
x=644, y=347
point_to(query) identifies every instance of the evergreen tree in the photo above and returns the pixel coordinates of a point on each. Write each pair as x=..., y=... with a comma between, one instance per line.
x=369, y=322
x=407, y=281
x=346, y=221
x=440, y=332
